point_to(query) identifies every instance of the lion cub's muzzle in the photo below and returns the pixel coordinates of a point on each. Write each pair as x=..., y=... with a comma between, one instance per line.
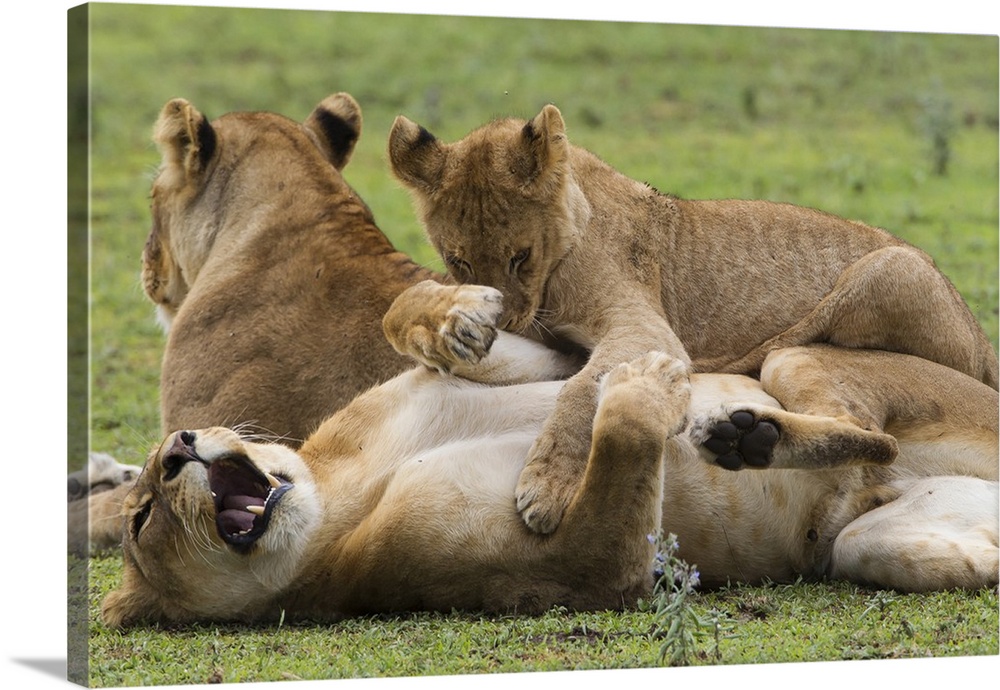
x=516, y=321
x=244, y=495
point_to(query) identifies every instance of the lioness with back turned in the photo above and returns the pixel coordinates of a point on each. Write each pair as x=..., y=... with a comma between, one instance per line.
x=587, y=255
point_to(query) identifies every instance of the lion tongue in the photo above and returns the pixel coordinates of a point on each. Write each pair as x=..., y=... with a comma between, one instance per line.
x=234, y=518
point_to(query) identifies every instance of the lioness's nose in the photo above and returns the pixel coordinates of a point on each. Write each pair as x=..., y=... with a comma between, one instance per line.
x=180, y=452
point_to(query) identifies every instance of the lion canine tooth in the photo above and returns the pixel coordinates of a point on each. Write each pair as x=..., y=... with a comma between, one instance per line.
x=272, y=480
x=256, y=510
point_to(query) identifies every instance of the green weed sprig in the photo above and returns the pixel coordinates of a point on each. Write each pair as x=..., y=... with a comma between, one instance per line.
x=675, y=618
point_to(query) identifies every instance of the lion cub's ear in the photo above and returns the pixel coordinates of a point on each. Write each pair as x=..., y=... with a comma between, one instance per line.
x=335, y=126
x=416, y=156
x=186, y=141
x=545, y=148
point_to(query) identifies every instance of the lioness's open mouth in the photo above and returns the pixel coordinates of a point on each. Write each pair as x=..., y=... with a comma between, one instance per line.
x=245, y=498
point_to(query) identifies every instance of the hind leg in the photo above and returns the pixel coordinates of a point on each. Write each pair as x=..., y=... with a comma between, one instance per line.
x=891, y=299
x=940, y=533
x=740, y=435
x=95, y=523
x=879, y=391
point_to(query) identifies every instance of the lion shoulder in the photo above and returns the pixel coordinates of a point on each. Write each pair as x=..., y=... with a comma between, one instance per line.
x=257, y=243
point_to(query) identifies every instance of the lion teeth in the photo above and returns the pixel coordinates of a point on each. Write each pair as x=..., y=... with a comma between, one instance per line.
x=256, y=510
x=272, y=480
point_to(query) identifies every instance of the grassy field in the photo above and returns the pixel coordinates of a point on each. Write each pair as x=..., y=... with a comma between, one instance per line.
x=898, y=130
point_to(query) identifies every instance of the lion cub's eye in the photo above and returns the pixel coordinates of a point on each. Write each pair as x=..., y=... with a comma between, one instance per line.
x=459, y=265
x=519, y=258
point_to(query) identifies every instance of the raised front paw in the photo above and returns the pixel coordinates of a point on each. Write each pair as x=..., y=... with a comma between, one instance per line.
x=739, y=440
x=442, y=326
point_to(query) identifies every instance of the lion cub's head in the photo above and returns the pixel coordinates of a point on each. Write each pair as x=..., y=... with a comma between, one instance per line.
x=215, y=527
x=223, y=172
x=500, y=206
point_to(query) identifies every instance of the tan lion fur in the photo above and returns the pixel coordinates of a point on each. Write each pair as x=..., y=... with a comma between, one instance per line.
x=404, y=499
x=584, y=254
x=269, y=274
x=248, y=251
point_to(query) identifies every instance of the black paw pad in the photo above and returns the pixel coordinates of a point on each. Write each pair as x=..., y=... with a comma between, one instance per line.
x=742, y=441
x=730, y=461
x=757, y=444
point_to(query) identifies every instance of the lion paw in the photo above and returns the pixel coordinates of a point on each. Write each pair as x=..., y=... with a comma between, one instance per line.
x=470, y=325
x=542, y=504
x=655, y=388
x=443, y=326
x=548, y=482
x=652, y=392
x=740, y=441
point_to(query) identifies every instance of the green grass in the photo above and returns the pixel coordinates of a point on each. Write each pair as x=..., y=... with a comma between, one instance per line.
x=796, y=622
x=843, y=121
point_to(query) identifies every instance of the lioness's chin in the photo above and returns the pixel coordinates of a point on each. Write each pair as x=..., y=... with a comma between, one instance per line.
x=257, y=561
x=280, y=548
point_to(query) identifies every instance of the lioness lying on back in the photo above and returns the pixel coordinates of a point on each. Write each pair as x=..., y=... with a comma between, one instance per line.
x=584, y=254
x=402, y=500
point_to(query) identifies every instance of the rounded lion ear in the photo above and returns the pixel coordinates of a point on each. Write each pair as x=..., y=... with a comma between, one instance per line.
x=185, y=138
x=416, y=155
x=545, y=146
x=335, y=125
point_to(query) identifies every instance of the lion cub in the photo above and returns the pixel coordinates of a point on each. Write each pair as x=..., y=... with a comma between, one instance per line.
x=588, y=256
